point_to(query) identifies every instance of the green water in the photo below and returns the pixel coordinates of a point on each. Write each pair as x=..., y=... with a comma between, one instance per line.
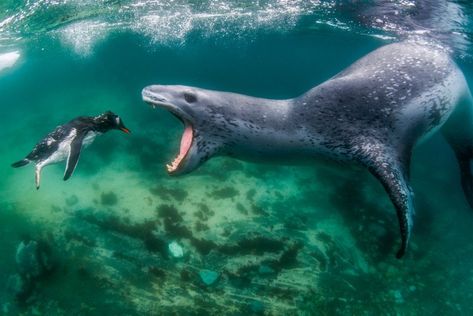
x=284, y=240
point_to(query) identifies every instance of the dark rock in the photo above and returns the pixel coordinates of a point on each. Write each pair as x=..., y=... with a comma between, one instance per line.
x=224, y=193
x=199, y=226
x=204, y=212
x=250, y=194
x=241, y=209
x=72, y=200
x=256, y=245
x=157, y=272
x=166, y=193
x=143, y=231
x=109, y=198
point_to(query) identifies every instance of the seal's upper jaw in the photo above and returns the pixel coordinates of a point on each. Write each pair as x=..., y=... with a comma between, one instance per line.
x=159, y=96
x=166, y=97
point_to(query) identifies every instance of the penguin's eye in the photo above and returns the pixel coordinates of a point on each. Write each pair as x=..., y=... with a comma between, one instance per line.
x=190, y=97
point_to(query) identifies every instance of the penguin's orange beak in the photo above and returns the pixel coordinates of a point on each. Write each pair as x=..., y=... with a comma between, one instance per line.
x=126, y=130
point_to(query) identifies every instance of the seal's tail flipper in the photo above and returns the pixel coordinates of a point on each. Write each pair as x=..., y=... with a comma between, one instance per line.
x=395, y=183
x=20, y=163
x=466, y=176
x=458, y=131
x=393, y=174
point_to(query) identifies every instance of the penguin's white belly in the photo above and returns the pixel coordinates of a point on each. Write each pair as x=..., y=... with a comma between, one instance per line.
x=64, y=147
x=62, y=151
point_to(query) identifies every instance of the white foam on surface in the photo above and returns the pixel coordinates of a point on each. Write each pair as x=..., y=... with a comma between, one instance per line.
x=171, y=23
x=7, y=60
x=83, y=35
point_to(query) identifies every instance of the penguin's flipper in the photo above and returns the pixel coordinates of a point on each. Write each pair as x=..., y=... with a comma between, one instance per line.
x=21, y=163
x=73, y=158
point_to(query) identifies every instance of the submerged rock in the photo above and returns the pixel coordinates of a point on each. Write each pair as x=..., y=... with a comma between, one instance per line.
x=209, y=277
x=33, y=259
x=19, y=286
x=176, y=250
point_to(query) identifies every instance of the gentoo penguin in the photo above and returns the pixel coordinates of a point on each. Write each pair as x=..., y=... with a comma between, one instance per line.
x=67, y=140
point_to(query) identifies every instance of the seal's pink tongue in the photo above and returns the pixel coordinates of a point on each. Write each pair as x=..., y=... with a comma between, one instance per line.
x=186, y=143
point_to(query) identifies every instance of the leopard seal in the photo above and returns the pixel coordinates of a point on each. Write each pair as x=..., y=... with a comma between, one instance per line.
x=372, y=113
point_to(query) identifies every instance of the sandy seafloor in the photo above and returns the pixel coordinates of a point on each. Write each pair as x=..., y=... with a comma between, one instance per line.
x=314, y=239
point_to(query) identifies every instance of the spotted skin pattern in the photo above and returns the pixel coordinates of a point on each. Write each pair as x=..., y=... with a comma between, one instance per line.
x=373, y=113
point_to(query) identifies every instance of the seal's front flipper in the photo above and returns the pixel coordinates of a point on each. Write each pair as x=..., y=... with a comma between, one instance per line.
x=393, y=174
x=73, y=158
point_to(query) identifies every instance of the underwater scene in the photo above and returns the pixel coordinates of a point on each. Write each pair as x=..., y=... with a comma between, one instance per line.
x=149, y=223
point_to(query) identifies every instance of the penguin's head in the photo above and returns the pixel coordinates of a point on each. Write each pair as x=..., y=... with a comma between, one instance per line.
x=110, y=120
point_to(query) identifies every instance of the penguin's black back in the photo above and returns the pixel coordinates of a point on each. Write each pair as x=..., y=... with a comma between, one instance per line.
x=50, y=143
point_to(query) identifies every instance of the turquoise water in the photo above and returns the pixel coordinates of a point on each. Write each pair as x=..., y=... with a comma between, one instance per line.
x=317, y=239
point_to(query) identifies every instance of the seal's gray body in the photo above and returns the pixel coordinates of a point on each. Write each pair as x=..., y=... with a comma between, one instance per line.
x=372, y=113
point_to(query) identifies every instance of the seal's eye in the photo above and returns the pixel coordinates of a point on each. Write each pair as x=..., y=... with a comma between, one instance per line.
x=190, y=97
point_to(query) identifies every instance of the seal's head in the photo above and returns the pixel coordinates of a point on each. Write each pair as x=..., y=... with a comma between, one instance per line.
x=195, y=108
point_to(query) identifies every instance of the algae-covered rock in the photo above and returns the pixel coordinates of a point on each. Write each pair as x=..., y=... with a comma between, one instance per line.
x=209, y=277
x=33, y=259
x=19, y=286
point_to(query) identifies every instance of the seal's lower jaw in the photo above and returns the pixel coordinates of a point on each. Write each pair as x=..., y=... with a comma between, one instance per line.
x=178, y=163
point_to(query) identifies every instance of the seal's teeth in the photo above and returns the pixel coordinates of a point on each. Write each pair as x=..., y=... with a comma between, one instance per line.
x=172, y=166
